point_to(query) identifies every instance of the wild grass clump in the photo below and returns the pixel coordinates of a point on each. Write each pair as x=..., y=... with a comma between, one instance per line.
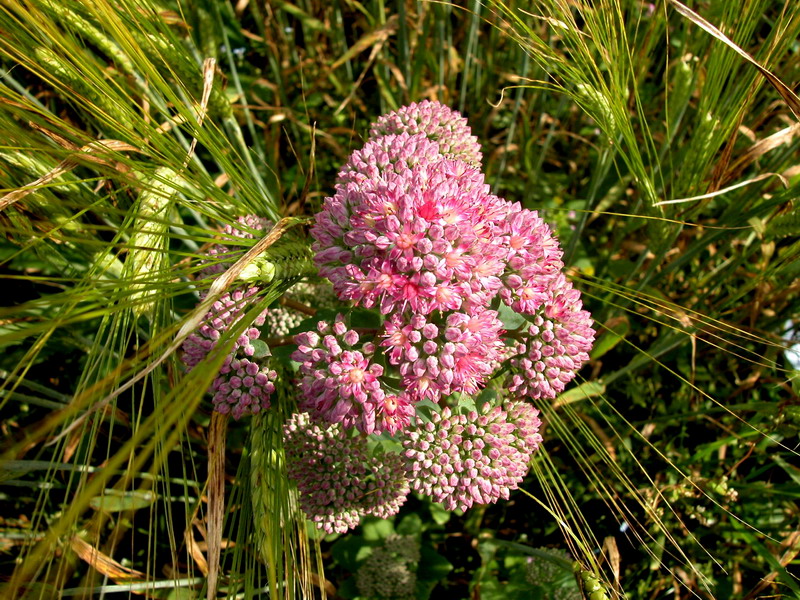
x=657, y=141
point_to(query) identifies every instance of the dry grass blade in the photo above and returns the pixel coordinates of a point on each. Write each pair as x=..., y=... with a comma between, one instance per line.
x=86, y=153
x=792, y=545
x=760, y=148
x=375, y=37
x=726, y=190
x=791, y=99
x=195, y=549
x=216, y=497
x=611, y=552
x=131, y=580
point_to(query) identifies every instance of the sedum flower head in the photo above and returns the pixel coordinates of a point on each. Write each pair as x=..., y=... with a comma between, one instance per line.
x=439, y=123
x=245, y=381
x=460, y=459
x=554, y=347
x=390, y=570
x=279, y=320
x=387, y=154
x=338, y=480
x=403, y=547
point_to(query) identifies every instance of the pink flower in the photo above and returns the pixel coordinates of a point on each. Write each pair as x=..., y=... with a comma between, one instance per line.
x=436, y=359
x=461, y=459
x=532, y=259
x=555, y=346
x=341, y=384
x=411, y=240
x=388, y=154
x=439, y=123
x=393, y=413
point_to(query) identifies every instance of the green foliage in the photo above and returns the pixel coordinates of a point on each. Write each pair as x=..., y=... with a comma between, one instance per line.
x=371, y=555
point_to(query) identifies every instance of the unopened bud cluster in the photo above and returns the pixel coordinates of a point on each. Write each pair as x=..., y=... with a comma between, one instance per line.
x=339, y=480
x=245, y=380
x=390, y=571
x=461, y=459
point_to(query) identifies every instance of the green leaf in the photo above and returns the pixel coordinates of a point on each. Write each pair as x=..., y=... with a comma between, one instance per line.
x=348, y=589
x=493, y=589
x=423, y=589
x=438, y=513
x=261, y=349
x=377, y=529
x=361, y=317
x=411, y=524
x=588, y=389
x=510, y=318
x=432, y=565
x=307, y=20
x=612, y=336
x=349, y=551
x=791, y=470
x=181, y=594
x=114, y=501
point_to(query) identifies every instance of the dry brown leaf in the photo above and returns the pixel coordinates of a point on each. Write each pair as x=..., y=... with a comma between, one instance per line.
x=376, y=36
x=759, y=148
x=58, y=139
x=611, y=552
x=324, y=584
x=725, y=190
x=376, y=39
x=106, y=565
x=598, y=431
x=196, y=551
x=216, y=497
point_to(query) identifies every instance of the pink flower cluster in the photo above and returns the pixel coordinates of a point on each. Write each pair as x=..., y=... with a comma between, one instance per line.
x=339, y=481
x=439, y=123
x=413, y=230
x=554, y=346
x=244, y=382
x=437, y=360
x=341, y=383
x=461, y=458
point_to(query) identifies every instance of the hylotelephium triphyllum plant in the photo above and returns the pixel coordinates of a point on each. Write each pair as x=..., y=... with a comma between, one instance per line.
x=412, y=230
